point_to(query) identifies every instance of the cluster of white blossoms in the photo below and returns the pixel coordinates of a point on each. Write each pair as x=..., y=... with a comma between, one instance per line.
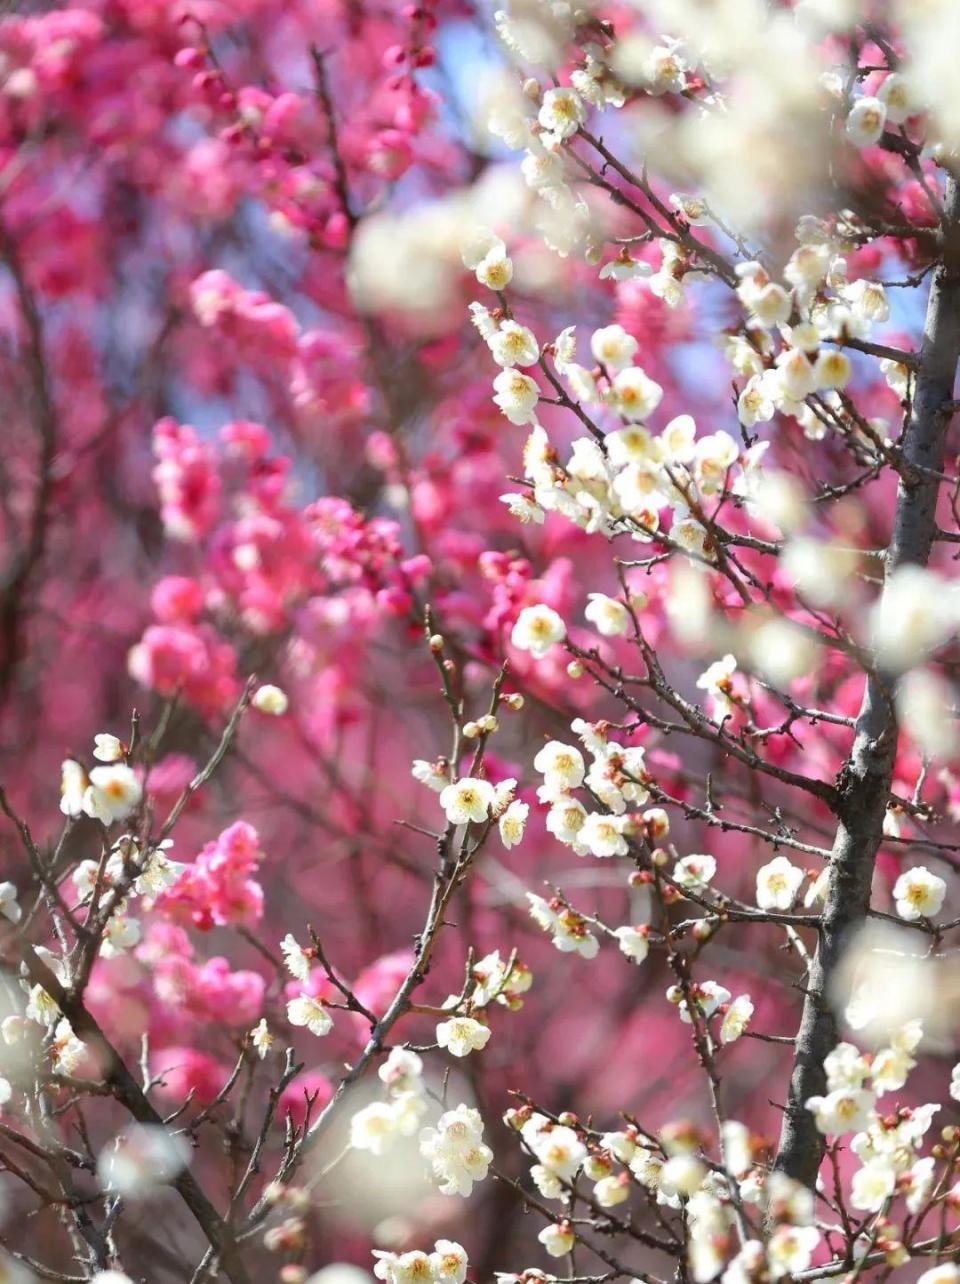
x=624, y=482
x=491, y=980
x=616, y=777
x=456, y=1151
x=128, y=872
x=447, y=1264
x=676, y=1169
x=454, y=1148
x=108, y=793
x=377, y=1127
x=558, y=1151
x=887, y=1144
x=869, y=114
x=472, y=800
x=570, y=931
x=709, y=999
x=40, y=1009
x=305, y=1010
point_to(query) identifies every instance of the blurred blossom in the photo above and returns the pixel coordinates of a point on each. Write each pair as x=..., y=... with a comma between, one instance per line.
x=781, y=651
x=341, y=1273
x=820, y=571
x=141, y=1159
x=917, y=611
x=926, y=706
x=887, y=978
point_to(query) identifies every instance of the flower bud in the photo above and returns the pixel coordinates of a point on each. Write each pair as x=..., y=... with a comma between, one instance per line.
x=270, y=699
x=514, y=700
x=436, y=643
x=471, y=730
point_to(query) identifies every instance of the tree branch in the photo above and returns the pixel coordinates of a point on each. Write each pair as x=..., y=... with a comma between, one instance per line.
x=863, y=784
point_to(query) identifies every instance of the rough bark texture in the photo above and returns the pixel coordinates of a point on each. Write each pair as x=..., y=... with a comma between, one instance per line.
x=864, y=781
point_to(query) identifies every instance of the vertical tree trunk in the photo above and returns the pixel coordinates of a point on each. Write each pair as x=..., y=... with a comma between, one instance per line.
x=864, y=781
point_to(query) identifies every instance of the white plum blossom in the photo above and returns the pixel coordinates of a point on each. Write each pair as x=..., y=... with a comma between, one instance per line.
x=843, y=1110
x=121, y=933
x=477, y=244
x=112, y=794
x=832, y=369
x=790, y=1249
x=846, y=1067
x=375, y=1128
x=561, y=113
x=449, y=1262
x=694, y=872
x=917, y=611
x=569, y=929
x=736, y=1019
x=461, y=1035
x=556, y=1146
x=523, y=508
x=634, y=942
x=714, y=455
x=261, y=1038
x=561, y=766
x=468, y=801
x=608, y=616
x=717, y=681
x=517, y=396
x=495, y=269
x=682, y=1175
x=708, y=996
x=678, y=439
x=305, y=1010
x=557, y=1239
x=73, y=786
x=613, y=347
x=66, y=1050
x=918, y=893
x=9, y=906
x=603, y=835
x=866, y=121
x=778, y=884
x=565, y=820
x=537, y=629
x=513, y=344
x=512, y=823
x=633, y=394
x=402, y=1071
x=872, y=1185
x=431, y=774
x=295, y=958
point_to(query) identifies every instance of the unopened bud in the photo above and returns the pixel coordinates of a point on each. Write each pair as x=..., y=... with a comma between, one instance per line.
x=514, y=700
x=575, y=669
x=270, y=699
x=436, y=643
x=531, y=89
x=471, y=730
x=488, y=723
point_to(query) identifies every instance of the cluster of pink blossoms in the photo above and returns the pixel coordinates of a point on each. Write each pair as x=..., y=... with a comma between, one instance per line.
x=219, y=888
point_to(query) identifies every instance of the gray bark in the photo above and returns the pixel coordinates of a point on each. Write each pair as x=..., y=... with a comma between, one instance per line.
x=864, y=781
